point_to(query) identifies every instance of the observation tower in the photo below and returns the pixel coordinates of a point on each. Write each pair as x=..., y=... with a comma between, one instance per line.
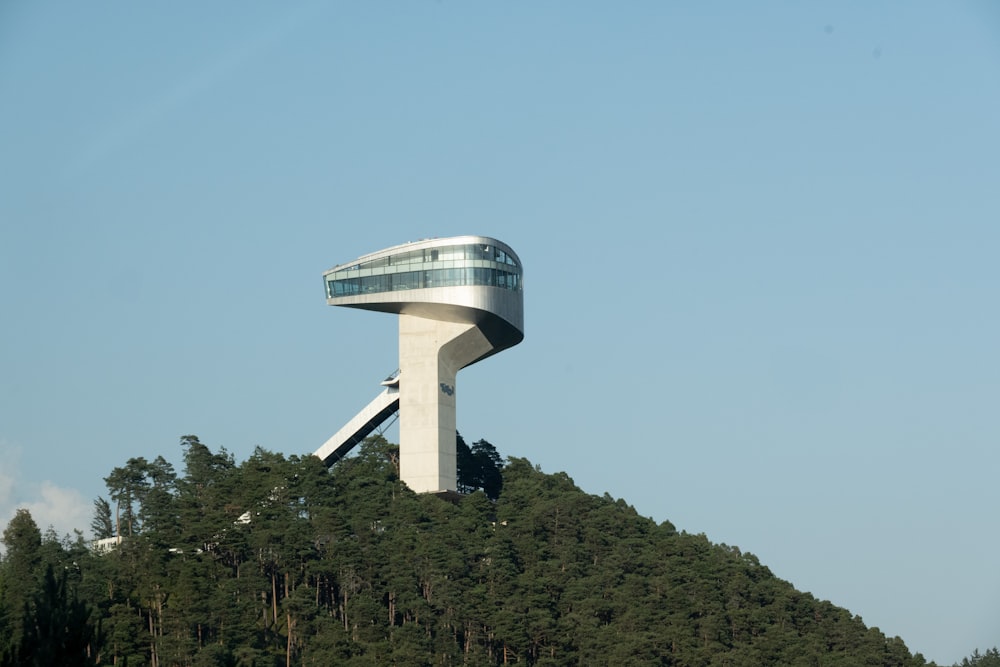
x=459, y=300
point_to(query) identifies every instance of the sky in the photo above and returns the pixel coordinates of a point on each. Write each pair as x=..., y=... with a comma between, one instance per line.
x=760, y=247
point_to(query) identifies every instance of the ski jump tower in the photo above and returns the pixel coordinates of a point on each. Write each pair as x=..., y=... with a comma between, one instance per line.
x=459, y=300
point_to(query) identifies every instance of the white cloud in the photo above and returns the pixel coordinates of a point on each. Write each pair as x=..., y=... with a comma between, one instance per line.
x=10, y=456
x=61, y=508
x=6, y=487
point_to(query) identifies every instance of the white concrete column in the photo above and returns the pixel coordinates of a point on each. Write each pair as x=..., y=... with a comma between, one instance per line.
x=431, y=353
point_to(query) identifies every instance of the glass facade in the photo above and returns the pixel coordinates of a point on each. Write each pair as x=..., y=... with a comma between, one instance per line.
x=449, y=266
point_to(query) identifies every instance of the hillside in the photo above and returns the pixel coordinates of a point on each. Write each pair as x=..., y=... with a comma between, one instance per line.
x=277, y=561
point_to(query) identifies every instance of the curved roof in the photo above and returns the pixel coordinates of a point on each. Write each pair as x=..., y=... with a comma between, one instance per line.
x=474, y=279
x=422, y=244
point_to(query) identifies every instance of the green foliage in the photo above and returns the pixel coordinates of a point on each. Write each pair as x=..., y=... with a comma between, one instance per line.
x=102, y=526
x=279, y=561
x=42, y=620
x=20, y=568
x=479, y=467
x=57, y=629
x=991, y=658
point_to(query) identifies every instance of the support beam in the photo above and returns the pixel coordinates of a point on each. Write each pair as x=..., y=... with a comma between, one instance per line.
x=430, y=356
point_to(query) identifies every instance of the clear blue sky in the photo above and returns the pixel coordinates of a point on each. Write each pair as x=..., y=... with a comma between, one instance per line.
x=760, y=245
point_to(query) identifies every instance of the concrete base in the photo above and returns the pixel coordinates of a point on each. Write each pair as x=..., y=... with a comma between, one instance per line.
x=431, y=353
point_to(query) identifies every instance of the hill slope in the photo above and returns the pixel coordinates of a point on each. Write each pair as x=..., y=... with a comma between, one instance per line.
x=276, y=561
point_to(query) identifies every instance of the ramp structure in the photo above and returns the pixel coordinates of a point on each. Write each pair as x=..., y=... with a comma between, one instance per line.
x=372, y=416
x=458, y=300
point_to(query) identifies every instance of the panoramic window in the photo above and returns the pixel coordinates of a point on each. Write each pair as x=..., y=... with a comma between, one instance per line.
x=422, y=279
x=484, y=265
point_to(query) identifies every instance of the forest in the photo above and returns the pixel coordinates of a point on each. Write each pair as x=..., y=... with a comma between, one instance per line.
x=279, y=561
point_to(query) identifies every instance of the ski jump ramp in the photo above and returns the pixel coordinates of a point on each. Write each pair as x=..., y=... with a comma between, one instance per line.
x=364, y=424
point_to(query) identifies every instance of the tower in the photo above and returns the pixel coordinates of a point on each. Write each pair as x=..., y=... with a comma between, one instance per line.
x=458, y=301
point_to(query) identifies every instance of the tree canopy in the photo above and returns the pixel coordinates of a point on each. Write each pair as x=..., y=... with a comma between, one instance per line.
x=278, y=561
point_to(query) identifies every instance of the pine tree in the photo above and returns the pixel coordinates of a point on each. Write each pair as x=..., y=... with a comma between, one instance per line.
x=279, y=561
x=18, y=575
x=990, y=658
x=102, y=526
x=57, y=629
x=126, y=486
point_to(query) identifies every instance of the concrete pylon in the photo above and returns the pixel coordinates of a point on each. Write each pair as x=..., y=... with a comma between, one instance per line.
x=430, y=355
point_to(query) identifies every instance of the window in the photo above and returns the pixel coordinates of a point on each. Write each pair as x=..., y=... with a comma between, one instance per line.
x=487, y=274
